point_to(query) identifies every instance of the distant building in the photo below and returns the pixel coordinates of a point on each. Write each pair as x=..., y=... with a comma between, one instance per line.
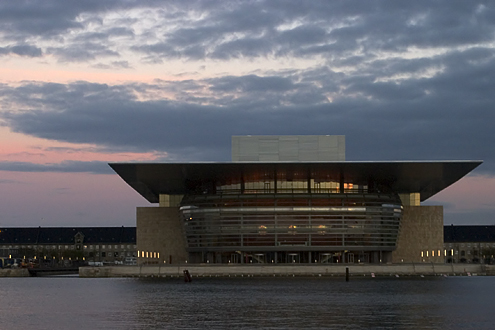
x=290, y=199
x=101, y=244
x=469, y=244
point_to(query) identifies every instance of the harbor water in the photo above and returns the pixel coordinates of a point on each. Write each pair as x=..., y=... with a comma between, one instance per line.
x=248, y=303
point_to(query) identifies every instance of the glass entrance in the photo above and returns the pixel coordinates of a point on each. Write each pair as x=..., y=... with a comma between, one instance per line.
x=293, y=258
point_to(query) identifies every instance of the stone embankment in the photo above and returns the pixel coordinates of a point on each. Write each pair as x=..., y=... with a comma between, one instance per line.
x=14, y=272
x=287, y=270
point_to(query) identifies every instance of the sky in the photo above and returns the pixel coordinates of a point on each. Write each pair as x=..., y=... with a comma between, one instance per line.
x=85, y=83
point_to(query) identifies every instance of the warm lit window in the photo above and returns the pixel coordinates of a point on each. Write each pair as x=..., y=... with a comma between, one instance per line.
x=433, y=253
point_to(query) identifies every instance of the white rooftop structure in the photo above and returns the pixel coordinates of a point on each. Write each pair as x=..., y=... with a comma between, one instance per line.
x=288, y=148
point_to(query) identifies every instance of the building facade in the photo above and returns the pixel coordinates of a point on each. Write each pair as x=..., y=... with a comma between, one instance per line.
x=56, y=245
x=290, y=199
x=469, y=244
x=462, y=244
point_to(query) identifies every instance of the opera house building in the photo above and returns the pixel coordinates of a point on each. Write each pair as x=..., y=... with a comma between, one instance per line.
x=290, y=199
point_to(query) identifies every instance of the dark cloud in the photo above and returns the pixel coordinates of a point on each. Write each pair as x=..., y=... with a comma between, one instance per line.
x=279, y=28
x=21, y=50
x=115, y=65
x=446, y=116
x=402, y=81
x=48, y=18
x=251, y=83
x=82, y=52
x=194, y=30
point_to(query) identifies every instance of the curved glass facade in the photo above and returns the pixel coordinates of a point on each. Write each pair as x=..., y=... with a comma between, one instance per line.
x=266, y=227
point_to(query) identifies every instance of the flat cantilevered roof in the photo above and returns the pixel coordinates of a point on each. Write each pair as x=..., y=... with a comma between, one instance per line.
x=424, y=177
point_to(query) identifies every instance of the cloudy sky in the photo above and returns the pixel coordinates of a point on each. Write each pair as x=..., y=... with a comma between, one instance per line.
x=84, y=83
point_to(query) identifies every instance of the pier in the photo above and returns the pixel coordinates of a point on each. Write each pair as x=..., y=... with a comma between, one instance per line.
x=202, y=270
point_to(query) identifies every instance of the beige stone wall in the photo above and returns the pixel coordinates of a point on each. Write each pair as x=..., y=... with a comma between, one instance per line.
x=159, y=236
x=412, y=199
x=170, y=200
x=421, y=235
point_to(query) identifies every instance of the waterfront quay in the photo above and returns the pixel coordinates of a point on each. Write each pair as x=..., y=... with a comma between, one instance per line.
x=203, y=270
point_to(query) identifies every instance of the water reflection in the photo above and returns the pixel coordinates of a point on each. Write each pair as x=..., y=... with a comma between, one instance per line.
x=270, y=303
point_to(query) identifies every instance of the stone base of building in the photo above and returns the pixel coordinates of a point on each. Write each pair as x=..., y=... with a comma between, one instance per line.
x=159, y=236
x=421, y=235
x=200, y=271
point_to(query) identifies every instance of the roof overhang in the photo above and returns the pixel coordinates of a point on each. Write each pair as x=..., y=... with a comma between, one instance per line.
x=424, y=177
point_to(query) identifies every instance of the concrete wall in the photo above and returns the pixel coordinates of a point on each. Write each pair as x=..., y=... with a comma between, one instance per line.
x=421, y=232
x=274, y=148
x=284, y=270
x=14, y=272
x=159, y=236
